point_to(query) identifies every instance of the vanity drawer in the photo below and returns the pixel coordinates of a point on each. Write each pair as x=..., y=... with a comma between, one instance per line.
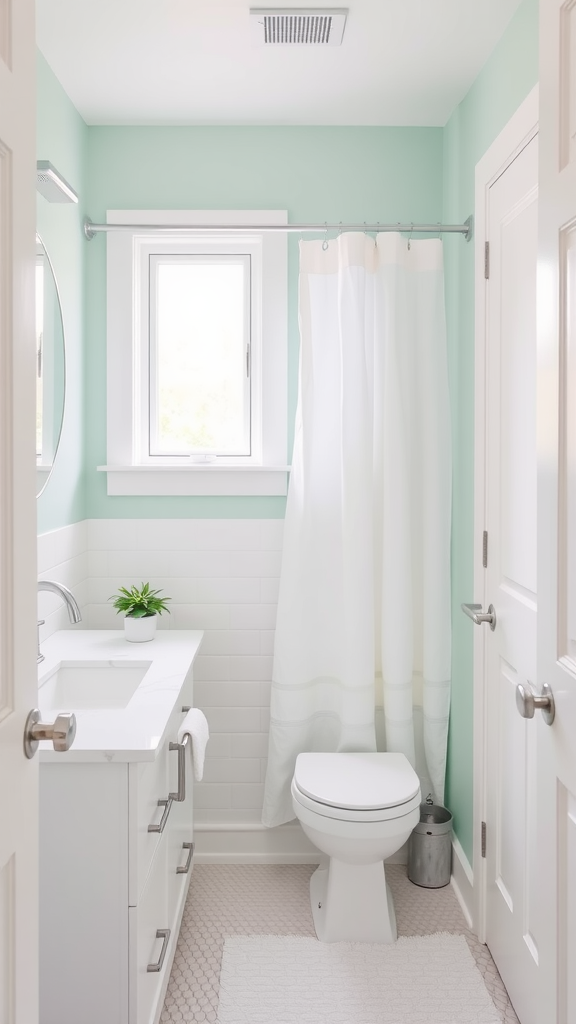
x=147, y=948
x=150, y=782
x=180, y=850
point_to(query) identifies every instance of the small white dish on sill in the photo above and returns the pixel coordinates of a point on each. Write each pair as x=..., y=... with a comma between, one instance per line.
x=140, y=630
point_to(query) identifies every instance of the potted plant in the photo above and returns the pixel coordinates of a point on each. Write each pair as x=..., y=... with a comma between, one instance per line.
x=141, y=609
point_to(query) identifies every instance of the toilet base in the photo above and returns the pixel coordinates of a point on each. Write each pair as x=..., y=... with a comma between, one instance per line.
x=352, y=903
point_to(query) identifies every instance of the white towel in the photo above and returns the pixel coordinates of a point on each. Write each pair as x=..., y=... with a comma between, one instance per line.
x=196, y=726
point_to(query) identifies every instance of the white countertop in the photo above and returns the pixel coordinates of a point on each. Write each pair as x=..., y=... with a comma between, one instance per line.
x=132, y=733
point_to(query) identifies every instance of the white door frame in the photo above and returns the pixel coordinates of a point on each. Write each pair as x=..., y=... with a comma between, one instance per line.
x=517, y=133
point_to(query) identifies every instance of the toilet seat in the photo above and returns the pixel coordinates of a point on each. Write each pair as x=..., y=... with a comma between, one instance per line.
x=361, y=787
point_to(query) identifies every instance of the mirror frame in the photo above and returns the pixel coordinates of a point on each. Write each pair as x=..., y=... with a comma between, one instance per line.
x=40, y=241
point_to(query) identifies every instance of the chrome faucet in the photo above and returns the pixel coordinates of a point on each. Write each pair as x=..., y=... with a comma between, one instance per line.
x=74, y=613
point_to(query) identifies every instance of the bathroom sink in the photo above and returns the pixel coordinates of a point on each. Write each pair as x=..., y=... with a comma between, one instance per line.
x=91, y=686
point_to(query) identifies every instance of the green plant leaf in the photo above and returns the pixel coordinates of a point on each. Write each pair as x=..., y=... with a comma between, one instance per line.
x=139, y=603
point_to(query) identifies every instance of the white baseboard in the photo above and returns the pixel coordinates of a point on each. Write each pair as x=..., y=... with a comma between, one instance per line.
x=463, y=882
x=252, y=843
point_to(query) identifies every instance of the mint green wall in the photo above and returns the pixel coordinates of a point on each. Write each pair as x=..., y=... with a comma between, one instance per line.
x=317, y=174
x=504, y=82
x=61, y=139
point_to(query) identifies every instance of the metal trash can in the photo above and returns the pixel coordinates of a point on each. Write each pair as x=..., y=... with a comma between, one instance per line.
x=430, y=847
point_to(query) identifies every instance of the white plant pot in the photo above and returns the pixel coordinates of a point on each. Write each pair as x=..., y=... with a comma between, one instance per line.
x=138, y=631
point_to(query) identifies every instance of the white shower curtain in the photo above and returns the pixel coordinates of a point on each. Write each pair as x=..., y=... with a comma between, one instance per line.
x=364, y=604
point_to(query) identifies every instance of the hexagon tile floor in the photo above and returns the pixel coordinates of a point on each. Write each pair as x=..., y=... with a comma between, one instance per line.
x=260, y=899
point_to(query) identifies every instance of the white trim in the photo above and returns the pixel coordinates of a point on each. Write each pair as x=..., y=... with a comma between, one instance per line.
x=252, y=843
x=513, y=138
x=190, y=480
x=462, y=881
x=123, y=304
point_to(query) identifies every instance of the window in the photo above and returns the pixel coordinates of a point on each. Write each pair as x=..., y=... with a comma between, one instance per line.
x=196, y=355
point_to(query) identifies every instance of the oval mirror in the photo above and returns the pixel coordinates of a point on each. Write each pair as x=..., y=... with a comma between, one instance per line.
x=50, y=367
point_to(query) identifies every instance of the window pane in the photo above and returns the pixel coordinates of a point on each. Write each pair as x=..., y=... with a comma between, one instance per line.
x=200, y=384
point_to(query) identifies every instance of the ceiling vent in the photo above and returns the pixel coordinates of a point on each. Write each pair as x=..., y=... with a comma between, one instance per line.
x=323, y=26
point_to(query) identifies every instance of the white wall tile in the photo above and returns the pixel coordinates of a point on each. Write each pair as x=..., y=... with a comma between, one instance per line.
x=269, y=591
x=45, y=551
x=222, y=577
x=242, y=769
x=102, y=616
x=233, y=720
x=140, y=565
x=227, y=695
x=249, y=744
x=267, y=642
x=62, y=558
x=232, y=534
x=225, y=641
x=267, y=563
x=219, y=744
x=256, y=667
x=247, y=795
x=225, y=591
x=167, y=534
x=114, y=535
x=213, y=667
x=252, y=616
x=200, y=616
x=98, y=564
x=271, y=534
x=212, y=795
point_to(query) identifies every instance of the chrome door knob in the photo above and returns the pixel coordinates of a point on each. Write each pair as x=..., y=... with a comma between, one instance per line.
x=528, y=702
x=474, y=612
x=61, y=732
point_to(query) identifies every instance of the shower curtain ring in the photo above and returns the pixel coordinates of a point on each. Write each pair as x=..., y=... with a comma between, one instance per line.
x=410, y=235
x=325, y=242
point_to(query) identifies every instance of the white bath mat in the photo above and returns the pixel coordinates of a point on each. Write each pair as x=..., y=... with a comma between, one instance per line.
x=429, y=979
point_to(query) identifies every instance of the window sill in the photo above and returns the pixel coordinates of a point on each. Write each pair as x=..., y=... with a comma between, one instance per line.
x=208, y=481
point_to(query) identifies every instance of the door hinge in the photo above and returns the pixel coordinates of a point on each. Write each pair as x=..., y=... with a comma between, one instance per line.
x=485, y=549
x=486, y=260
x=483, y=838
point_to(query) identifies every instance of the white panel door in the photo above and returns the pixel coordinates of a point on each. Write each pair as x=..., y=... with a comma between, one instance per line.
x=18, y=686
x=510, y=584
x=556, y=744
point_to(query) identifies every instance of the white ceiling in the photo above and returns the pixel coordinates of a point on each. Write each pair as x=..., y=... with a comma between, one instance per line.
x=402, y=62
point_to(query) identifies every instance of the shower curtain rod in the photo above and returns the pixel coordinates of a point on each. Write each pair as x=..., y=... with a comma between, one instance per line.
x=91, y=229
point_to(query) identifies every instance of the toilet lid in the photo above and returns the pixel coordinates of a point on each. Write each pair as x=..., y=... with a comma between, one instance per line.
x=360, y=782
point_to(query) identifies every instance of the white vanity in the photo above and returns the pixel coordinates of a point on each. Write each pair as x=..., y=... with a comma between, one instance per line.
x=116, y=830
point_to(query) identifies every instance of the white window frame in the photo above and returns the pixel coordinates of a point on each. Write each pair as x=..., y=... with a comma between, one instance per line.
x=130, y=470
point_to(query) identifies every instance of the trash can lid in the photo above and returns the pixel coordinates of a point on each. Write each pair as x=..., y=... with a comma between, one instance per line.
x=434, y=820
x=357, y=781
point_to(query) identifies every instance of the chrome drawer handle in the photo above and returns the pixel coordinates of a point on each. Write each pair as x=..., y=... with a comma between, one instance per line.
x=167, y=805
x=180, y=793
x=162, y=933
x=186, y=868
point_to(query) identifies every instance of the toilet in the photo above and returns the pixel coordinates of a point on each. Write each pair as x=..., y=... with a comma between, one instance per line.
x=358, y=809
